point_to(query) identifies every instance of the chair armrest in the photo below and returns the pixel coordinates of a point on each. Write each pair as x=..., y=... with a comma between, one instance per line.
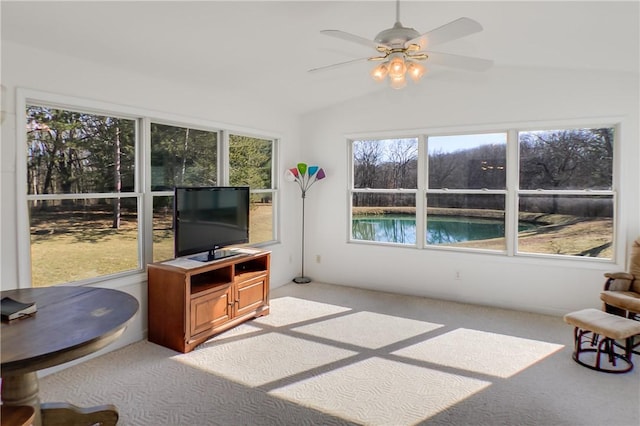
x=619, y=275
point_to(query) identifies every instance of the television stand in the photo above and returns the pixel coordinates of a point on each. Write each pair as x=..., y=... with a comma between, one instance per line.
x=190, y=302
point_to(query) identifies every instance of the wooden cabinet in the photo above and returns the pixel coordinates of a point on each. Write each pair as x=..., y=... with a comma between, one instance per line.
x=190, y=301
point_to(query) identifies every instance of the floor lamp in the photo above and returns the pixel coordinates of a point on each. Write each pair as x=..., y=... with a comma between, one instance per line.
x=305, y=176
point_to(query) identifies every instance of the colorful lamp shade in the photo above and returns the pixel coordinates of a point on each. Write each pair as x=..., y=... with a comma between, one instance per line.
x=305, y=176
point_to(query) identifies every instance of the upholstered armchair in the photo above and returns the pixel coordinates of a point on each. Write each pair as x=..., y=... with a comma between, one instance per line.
x=621, y=295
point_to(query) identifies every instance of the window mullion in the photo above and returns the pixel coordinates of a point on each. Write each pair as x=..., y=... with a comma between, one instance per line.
x=143, y=183
x=564, y=192
x=421, y=194
x=511, y=202
x=22, y=208
x=350, y=188
x=223, y=158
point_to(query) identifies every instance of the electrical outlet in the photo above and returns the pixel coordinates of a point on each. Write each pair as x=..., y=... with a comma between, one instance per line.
x=318, y=258
x=457, y=275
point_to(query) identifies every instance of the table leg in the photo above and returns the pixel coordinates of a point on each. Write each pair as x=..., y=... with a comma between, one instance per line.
x=64, y=414
x=22, y=389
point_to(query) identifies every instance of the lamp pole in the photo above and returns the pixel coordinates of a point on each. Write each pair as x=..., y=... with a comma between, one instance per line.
x=305, y=176
x=302, y=279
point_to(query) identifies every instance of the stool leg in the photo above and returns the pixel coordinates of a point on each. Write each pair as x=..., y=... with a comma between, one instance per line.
x=577, y=339
x=578, y=335
x=608, y=347
x=598, y=352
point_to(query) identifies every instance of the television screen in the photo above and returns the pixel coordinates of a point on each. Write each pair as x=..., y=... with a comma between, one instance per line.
x=207, y=219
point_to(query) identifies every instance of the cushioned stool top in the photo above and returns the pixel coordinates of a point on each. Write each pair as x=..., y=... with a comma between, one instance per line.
x=603, y=323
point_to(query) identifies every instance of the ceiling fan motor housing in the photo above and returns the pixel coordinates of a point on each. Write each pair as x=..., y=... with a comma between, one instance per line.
x=396, y=36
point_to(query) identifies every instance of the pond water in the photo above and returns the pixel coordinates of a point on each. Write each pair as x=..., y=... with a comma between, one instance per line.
x=440, y=229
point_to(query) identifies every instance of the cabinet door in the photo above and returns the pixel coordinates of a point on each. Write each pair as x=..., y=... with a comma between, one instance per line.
x=211, y=310
x=251, y=294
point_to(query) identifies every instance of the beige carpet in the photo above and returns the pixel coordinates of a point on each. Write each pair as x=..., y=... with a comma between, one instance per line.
x=331, y=355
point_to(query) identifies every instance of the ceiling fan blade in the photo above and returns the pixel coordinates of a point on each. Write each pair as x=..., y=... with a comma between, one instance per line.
x=339, y=64
x=352, y=38
x=457, y=61
x=461, y=27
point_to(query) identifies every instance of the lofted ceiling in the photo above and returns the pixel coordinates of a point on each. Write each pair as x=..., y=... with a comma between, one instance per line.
x=264, y=48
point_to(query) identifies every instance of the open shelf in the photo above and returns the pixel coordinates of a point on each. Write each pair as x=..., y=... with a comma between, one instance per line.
x=251, y=267
x=210, y=280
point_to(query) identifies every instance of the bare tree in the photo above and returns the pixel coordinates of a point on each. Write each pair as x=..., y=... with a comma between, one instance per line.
x=367, y=156
x=403, y=156
x=566, y=159
x=442, y=169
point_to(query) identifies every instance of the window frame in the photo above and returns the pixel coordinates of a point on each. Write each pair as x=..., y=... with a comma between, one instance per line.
x=142, y=191
x=275, y=231
x=612, y=192
x=511, y=191
x=419, y=201
x=467, y=191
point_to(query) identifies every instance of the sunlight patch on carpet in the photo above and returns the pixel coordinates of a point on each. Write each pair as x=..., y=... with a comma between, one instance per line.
x=356, y=329
x=297, y=310
x=257, y=360
x=481, y=352
x=382, y=392
x=241, y=330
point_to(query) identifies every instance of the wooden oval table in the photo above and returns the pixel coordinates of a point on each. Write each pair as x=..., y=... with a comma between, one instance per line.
x=70, y=322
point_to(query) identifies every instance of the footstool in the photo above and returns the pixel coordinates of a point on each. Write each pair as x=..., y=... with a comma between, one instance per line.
x=600, y=331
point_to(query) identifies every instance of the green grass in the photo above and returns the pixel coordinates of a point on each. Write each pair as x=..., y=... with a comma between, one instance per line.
x=65, y=257
x=73, y=247
x=68, y=248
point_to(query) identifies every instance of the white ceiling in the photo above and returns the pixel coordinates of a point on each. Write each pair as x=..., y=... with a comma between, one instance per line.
x=264, y=49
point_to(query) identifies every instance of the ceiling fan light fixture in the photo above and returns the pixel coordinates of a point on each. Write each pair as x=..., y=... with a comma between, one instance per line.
x=380, y=72
x=397, y=67
x=416, y=71
x=398, y=82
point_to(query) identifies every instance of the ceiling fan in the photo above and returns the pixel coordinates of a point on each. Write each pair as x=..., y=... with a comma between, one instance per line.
x=402, y=49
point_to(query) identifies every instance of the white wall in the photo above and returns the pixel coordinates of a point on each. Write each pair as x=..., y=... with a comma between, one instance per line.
x=40, y=70
x=500, y=96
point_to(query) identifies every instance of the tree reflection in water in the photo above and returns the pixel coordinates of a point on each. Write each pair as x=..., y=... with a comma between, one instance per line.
x=385, y=228
x=440, y=229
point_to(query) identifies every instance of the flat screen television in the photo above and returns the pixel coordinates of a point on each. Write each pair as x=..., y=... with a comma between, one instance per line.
x=207, y=219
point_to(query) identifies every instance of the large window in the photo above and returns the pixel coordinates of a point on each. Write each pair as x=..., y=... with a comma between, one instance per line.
x=566, y=191
x=466, y=190
x=90, y=214
x=82, y=194
x=251, y=163
x=180, y=156
x=384, y=191
x=542, y=192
